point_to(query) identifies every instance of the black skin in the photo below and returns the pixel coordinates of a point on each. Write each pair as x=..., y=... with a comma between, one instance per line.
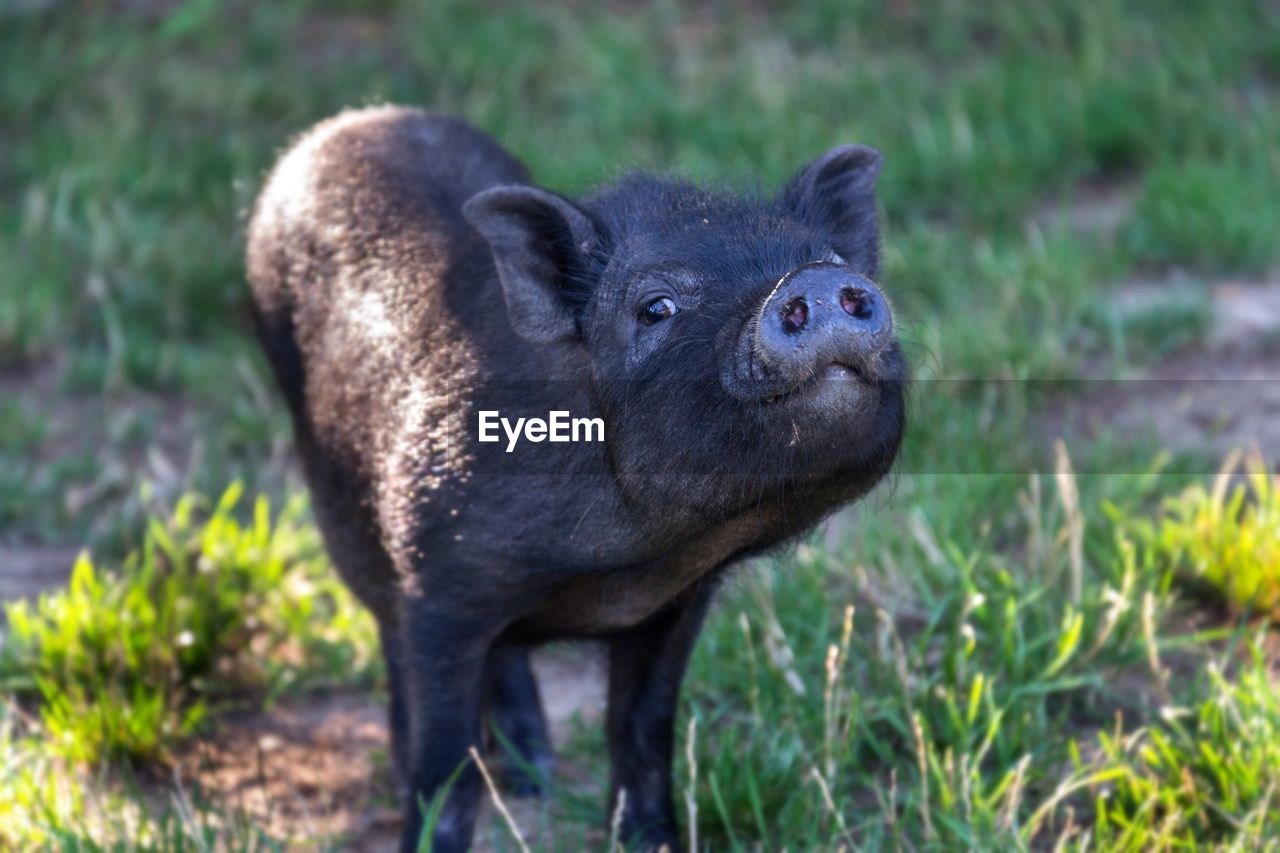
x=407, y=274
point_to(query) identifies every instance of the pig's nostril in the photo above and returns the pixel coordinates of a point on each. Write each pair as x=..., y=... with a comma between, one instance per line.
x=794, y=315
x=857, y=303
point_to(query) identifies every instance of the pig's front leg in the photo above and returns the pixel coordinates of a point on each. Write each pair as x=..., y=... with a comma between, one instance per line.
x=646, y=665
x=444, y=647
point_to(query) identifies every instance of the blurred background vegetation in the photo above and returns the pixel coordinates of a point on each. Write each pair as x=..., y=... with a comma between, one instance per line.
x=1073, y=190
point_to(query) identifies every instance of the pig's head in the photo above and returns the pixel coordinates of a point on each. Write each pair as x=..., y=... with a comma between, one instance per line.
x=739, y=347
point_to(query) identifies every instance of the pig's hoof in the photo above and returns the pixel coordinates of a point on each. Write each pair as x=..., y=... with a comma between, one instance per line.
x=650, y=835
x=528, y=779
x=520, y=784
x=656, y=842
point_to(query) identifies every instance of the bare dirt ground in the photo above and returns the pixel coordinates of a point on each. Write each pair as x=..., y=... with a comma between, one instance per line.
x=316, y=767
x=1095, y=209
x=26, y=571
x=88, y=453
x=1210, y=399
x=313, y=767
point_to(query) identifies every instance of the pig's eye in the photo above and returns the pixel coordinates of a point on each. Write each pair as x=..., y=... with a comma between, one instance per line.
x=657, y=310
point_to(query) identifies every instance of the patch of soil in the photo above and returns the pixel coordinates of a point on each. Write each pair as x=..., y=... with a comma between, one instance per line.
x=129, y=436
x=1207, y=403
x=86, y=455
x=74, y=420
x=316, y=769
x=1094, y=209
x=330, y=37
x=1245, y=310
x=1209, y=399
x=27, y=571
x=308, y=769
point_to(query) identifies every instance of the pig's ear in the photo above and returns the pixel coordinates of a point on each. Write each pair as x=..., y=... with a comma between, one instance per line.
x=539, y=243
x=837, y=194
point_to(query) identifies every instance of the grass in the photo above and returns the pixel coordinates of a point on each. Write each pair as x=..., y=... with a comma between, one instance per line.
x=978, y=700
x=1227, y=538
x=125, y=663
x=1208, y=773
x=123, y=666
x=1188, y=213
x=1033, y=658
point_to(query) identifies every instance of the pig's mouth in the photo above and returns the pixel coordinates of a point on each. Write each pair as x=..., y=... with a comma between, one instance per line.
x=752, y=379
x=834, y=372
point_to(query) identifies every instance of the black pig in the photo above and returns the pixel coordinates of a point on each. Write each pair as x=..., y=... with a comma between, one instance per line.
x=407, y=276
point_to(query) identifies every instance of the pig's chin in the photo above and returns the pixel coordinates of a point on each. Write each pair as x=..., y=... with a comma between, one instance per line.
x=838, y=423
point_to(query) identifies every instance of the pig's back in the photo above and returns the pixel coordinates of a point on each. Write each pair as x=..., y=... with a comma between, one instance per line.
x=354, y=241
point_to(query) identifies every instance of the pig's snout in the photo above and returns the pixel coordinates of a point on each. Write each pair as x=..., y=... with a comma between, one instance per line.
x=819, y=315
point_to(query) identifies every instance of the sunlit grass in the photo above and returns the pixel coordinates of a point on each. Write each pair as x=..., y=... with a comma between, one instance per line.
x=126, y=661
x=1226, y=535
